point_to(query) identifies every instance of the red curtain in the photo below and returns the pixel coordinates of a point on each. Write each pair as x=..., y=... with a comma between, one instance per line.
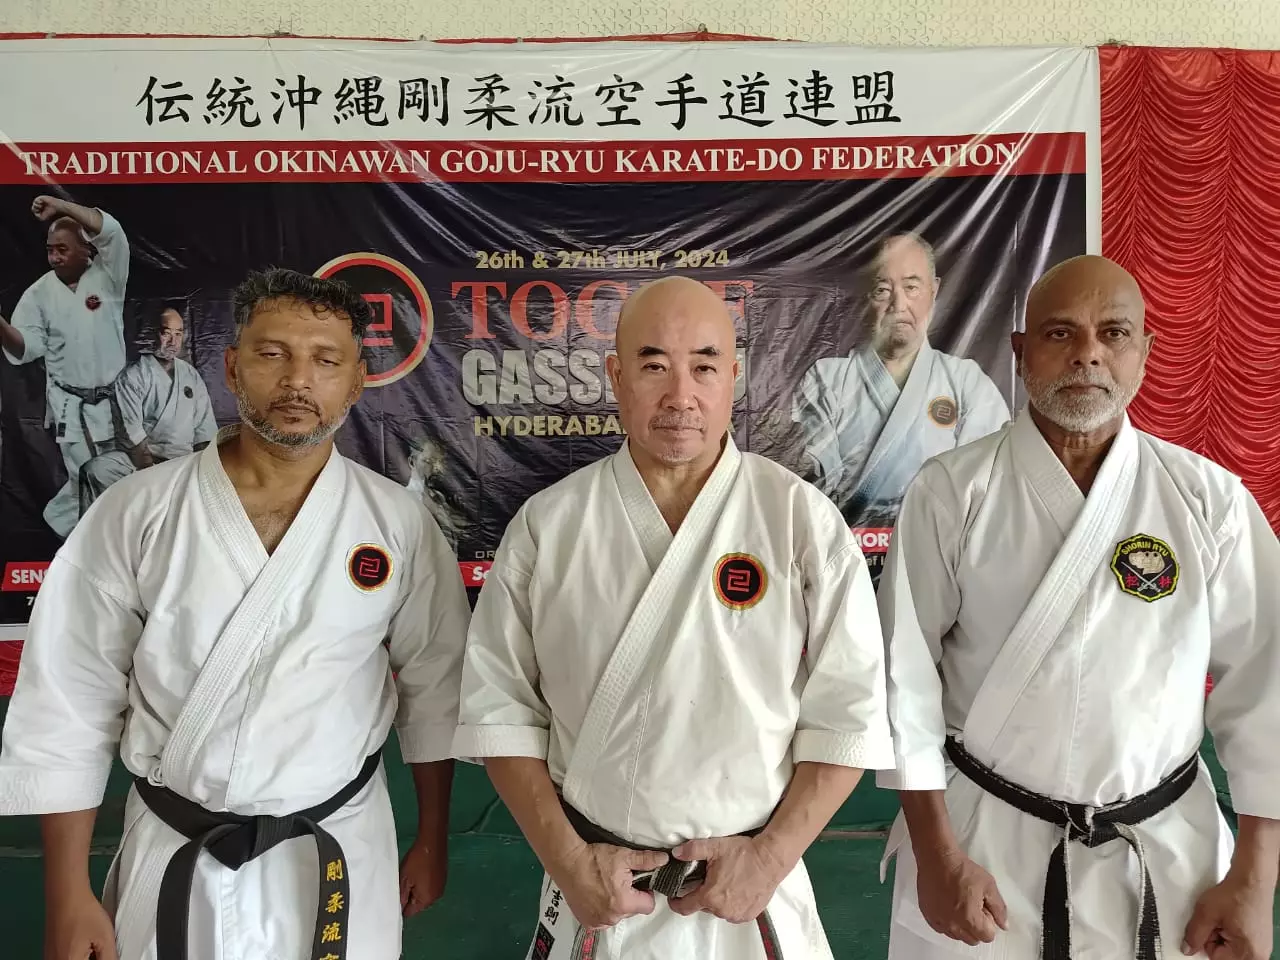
x=1191, y=207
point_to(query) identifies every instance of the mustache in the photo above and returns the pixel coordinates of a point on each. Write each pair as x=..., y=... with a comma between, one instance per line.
x=295, y=400
x=1086, y=377
x=675, y=423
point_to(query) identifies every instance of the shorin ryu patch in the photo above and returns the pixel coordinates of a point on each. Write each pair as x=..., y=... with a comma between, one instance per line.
x=369, y=566
x=943, y=411
x=739, y=581
x=1145, y=567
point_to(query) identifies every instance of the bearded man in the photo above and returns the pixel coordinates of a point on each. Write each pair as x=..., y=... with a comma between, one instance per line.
x=247, y=623
x=1053, y=597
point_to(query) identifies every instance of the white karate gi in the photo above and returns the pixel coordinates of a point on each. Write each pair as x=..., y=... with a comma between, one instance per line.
x=80, y=335
x=864, y=438
x=1018, y=618
x=243, y=681
x=601, y=644
x=171, y=412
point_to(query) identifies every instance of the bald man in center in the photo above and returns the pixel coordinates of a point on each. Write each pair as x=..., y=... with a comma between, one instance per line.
x=1053, y=597
x=674, y=673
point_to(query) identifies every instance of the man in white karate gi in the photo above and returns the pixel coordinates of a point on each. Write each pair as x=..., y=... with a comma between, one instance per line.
x=1053, y=597
x=73, y=318
x=869, y=420
x=165, y=412
x=674, y=672
x=233, y=619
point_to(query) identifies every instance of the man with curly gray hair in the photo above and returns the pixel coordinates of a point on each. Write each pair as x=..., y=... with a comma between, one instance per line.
x=247, y=623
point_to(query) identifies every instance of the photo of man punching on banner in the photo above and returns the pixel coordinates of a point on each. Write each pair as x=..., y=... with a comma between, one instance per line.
x=73, y=319
x=870, y=419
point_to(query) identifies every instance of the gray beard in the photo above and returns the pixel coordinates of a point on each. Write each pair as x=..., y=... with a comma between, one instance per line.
x=1078, y=415
x=263, y=427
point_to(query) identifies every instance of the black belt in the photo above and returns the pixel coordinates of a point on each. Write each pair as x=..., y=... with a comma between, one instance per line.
x=233, y=840
x=1091, y=826
x=91, y=397
x=670, y=880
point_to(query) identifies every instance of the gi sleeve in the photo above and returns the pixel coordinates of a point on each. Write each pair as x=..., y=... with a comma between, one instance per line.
x=113, y=251
x=918, y=600
x=131, y=396
x=29, y=320
x=984, y=412
x=820, y=445
x=1243, y=709
x=427, y=637
x=206, y=425
x=502, y=712
x=842, y=708
x=67, y=711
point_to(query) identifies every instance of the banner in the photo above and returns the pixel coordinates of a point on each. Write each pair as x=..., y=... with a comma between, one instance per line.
x=872, y=218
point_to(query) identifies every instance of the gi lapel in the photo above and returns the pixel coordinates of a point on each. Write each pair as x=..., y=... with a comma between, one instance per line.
x=1088, y=546
x=267, y=579
x=637, y=644
x=902, y=420
x=169, y=405
x=650, y=526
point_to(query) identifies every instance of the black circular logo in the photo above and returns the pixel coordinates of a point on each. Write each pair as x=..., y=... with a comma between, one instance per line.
x=188, y=392
x=369, y=566
x=740, y=580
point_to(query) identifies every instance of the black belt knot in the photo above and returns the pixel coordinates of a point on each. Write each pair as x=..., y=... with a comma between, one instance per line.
x=234, y=840
x=1090, y=826
x=269, y=831
x=1083, y=825
x=670, y=880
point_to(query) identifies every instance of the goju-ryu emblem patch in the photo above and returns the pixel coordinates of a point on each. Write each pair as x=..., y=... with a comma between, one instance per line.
x=1145, y=567
x=943, y=411
x=739, y=581
x=369, y=566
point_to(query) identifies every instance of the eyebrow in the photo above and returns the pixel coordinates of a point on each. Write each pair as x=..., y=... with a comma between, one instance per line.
x=650, y=351
x=318, y=347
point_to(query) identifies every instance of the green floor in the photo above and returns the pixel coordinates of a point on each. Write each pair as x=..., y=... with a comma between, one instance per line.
x=482, y=920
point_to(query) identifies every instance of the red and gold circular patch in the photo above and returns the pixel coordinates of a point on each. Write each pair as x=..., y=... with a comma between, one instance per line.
x=739, y=581
x=369, y=566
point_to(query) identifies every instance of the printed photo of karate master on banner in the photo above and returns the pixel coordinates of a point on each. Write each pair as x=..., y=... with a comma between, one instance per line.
x=872, y=218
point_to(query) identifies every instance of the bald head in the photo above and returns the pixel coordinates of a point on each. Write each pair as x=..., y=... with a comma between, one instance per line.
x=1086, y=277
x=673, y=295
x=1083, y=354
x=67, y=249
x=674, y=371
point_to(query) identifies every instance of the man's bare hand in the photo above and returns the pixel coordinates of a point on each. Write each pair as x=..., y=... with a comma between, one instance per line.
x=423, y=872
x=46, y=208
x=1231, y=921
x=77, y=927
x=741, y=878
x=142, y=456
x=596, y=883
x=959, y=899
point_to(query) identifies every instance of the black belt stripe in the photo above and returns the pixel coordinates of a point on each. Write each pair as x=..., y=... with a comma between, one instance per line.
x=235, y=840
x=1092, y=827
x=666, y=880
